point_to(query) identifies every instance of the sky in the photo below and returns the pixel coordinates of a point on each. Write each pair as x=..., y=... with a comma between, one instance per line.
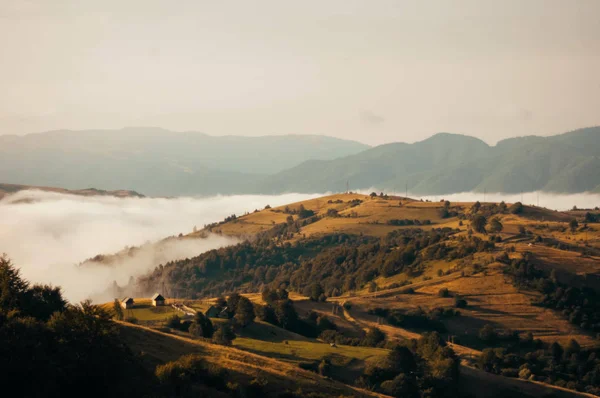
x=372, y=71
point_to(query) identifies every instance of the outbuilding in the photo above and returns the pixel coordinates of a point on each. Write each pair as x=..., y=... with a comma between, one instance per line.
x=158, y=300
x=127, y=303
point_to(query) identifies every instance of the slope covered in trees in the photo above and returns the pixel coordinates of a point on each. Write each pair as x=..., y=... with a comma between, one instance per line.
x=449, y=163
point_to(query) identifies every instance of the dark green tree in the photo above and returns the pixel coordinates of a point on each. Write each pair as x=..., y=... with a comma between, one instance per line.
x=478, y=224
x=495, y=225
x=286, y=314
x=573, y=225
x=244, y=314
x=223, y=335
x=118, y=310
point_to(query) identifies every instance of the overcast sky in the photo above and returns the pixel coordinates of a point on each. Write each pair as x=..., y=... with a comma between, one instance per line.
x=374, y=71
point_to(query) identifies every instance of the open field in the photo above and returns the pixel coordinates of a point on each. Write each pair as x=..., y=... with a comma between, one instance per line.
x=456, y=259
x=158, y=347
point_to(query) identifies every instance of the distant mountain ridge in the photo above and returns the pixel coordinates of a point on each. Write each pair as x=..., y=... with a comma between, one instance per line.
x=159, y=162
x=450, y=163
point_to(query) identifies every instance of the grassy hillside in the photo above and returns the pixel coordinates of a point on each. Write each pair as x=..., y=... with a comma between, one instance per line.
x=385, y=260
x=158, y=347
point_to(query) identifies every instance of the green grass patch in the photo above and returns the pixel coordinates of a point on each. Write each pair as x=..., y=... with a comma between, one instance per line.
x=299, y=351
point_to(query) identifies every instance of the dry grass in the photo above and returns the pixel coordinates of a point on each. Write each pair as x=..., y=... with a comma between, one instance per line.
x=158, y=347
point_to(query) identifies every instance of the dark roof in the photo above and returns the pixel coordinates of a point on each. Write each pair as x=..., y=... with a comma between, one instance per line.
x=158, y=296
x=127, y=300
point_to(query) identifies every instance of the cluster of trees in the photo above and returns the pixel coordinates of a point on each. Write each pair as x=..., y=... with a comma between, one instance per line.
x=422, y=368
x=408, y=222
x=446, y=211
x=580, y=305
x=591, y=217
x=51, y=348
x=373, y=337
x=302, y=212
x=279, y=310
x=417, y=318
x=338, y=263
x=570, y=366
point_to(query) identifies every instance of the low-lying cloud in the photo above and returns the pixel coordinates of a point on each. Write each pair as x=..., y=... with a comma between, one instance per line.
x=48, y=234
x=553, y=201
x=544, y=199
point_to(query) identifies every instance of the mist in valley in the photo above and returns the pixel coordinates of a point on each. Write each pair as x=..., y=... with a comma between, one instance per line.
x=553, y=201
x=47, y=235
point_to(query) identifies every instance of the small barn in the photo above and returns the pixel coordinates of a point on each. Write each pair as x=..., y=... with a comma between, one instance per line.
x=212, y=312
x=127, y=303
x=158, y=300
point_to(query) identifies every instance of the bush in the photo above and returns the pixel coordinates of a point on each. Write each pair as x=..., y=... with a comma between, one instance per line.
x=488, y=334
x=516, y=208
x=444, y=292
x=174, y=322
x=223, y=335
x=460, y=302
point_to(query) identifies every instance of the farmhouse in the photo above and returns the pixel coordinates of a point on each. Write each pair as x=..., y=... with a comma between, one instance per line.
x=212, y=312
x=158, y=300
x=127, y=303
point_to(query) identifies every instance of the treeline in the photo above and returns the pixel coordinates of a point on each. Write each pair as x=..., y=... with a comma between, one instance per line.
x=417, y=318
x=570, y=366
x=419, y=368
x=581, y=306
x=51, y=348
x=339, y=263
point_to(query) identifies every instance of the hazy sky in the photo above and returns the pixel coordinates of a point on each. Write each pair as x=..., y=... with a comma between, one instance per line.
x=375, y=71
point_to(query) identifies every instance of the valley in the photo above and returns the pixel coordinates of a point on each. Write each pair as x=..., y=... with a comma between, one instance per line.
x=433, y=267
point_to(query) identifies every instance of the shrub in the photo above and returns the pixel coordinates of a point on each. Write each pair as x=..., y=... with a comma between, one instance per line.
x=224, y=335
x=174, y=322
x=460, y=302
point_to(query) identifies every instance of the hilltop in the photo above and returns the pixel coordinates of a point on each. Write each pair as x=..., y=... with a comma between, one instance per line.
x=6, y=189
x=158, y=162
x=484, y=275
x=164, y=163
x=449, y=163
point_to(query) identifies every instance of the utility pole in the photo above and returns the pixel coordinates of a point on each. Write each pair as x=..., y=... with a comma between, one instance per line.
x=347, y=186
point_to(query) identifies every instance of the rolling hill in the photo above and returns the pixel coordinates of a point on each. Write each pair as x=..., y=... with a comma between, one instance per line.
x=450, y=163
x=163, y=163
x=408, y=268
x=158, y=162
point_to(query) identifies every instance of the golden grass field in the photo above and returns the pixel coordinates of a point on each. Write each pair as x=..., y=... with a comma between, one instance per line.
x=492, y=298
x=158, y=347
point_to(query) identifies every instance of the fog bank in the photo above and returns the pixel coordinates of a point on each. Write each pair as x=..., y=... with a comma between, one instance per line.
x=47, y=234
x=554, y=201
